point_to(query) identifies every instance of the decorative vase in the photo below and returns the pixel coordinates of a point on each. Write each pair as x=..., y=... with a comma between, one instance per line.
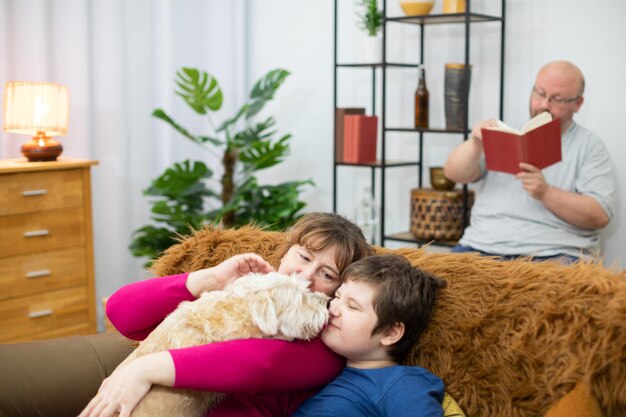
x=366, y=216
x=456, y=87
x=373, y=49
x=454, y=6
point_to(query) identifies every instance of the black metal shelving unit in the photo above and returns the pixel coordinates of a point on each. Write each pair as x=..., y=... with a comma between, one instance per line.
x=466, y=19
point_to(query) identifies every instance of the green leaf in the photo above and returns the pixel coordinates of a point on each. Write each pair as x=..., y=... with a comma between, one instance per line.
x=199, y=90
x=232, y=121
x=258, y=132
x=150, y=241
x=273, y=206
x=180, y=180
x=370, y=17
x=264, y=90
x=261, y=155
x=213, y=141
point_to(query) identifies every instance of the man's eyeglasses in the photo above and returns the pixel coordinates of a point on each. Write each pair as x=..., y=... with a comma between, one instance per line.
x=554, y=100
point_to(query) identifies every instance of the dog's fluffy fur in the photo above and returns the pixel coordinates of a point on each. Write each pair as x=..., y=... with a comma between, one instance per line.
x=254, y=306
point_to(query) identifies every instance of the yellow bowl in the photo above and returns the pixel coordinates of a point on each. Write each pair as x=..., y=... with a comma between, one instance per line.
x=416, y=8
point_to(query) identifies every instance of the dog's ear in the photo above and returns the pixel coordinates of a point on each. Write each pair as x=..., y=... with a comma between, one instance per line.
x=301, y=313
x=264, y=313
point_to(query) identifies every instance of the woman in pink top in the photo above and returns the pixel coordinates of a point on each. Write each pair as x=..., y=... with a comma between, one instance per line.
x=262, y=377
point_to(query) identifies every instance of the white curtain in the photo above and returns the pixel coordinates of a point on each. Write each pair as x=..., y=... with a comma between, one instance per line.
x=118, y=59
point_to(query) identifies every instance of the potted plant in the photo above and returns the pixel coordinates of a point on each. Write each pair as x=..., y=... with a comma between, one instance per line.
x=186, y=196
x=371, y=22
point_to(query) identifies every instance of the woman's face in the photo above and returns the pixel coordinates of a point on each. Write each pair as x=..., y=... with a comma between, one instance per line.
x=319, y=268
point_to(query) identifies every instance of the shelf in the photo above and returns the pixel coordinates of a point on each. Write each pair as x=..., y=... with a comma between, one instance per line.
x=378, y=65
x=383, y=69
x=379, y=164
x=434, y=19
x=429, y=130
x=408, y=237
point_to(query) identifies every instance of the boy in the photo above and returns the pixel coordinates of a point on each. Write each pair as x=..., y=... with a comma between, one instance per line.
x=377, y=315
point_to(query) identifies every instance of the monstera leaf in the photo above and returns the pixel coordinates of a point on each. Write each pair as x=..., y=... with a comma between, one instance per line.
x=199, y=89
x=262, y=92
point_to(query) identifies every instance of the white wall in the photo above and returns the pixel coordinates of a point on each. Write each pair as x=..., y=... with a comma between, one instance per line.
x=298, y=36
x=118, y=59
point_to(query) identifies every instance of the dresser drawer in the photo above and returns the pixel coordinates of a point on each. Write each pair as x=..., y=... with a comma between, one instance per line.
x=37, y=191
x=39, y=272
x=30, y=233
x=25, y=316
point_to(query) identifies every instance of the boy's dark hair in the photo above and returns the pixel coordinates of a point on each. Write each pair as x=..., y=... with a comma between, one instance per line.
x=405, y=294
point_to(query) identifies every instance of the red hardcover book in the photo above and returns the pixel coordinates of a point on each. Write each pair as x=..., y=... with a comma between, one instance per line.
x=360, y=134
x=348, y=141
x=538, y=143
x=339, y=114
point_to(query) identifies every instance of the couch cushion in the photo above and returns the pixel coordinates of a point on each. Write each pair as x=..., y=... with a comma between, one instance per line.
x=579, y=402
x=450, y=407
x=56, y=377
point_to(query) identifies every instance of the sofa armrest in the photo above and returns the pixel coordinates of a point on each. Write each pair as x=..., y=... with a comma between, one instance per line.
x=56, y=377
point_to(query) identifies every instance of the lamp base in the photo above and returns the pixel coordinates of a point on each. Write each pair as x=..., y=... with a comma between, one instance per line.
x=41, y=149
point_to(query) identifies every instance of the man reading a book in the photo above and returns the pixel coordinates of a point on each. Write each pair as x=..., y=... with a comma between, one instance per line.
x=554, y=212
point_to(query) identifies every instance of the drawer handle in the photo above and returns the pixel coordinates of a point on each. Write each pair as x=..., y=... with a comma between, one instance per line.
x=40, y=313
x=37, y=274
x=35, y=233
x=31, y=193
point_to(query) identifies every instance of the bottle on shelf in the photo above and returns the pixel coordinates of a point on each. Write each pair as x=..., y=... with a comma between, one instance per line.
x=367, y=216
x=421, y=101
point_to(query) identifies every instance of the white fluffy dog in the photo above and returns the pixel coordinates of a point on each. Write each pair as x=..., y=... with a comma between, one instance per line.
x=254, y=306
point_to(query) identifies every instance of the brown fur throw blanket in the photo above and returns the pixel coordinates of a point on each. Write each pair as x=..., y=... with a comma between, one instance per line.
x=508, y=338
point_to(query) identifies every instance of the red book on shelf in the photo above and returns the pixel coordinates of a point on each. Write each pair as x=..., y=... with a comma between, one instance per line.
x=348, y=141
x=538, y=143
x=339, y=114
x=360, y=134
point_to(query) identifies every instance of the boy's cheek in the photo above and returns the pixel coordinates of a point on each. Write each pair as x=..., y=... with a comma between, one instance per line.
x=327, y=334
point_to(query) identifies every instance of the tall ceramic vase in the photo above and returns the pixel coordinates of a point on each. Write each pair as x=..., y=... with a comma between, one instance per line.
x=457, y=84
x=372, y=49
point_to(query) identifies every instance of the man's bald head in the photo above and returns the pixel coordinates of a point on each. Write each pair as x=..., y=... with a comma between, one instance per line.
x=566, y=71
x=558, y=89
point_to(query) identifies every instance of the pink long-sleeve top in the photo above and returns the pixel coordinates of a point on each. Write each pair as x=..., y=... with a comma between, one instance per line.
x=263, y=377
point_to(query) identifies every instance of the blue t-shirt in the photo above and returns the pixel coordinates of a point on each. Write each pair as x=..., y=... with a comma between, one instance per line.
x=391, y=391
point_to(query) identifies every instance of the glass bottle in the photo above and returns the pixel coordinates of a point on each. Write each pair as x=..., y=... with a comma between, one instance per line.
x=421, y=102
x=366, y=216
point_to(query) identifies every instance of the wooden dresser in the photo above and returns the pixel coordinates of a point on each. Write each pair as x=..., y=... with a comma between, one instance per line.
x=46, y=249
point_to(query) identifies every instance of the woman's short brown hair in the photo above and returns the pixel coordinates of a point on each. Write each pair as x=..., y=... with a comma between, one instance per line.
x=318, y=231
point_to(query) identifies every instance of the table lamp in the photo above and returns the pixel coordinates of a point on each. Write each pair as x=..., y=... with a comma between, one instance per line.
x=39, y=109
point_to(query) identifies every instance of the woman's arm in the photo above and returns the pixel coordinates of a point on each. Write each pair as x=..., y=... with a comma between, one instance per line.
x=239, y=366
x=136, y=309
x=122, y=391
x=256, y=366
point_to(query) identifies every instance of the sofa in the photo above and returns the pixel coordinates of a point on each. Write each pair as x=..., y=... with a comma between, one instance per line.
x=509, y=338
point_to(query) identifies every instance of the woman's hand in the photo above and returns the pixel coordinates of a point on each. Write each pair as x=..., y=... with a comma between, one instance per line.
x=128, y=384
x=217, y=277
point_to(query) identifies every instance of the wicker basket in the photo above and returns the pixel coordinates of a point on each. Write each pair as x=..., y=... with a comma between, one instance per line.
x=438, y=214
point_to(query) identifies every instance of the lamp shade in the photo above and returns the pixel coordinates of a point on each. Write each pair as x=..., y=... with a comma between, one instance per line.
x=36, y=107
x=39, y=109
